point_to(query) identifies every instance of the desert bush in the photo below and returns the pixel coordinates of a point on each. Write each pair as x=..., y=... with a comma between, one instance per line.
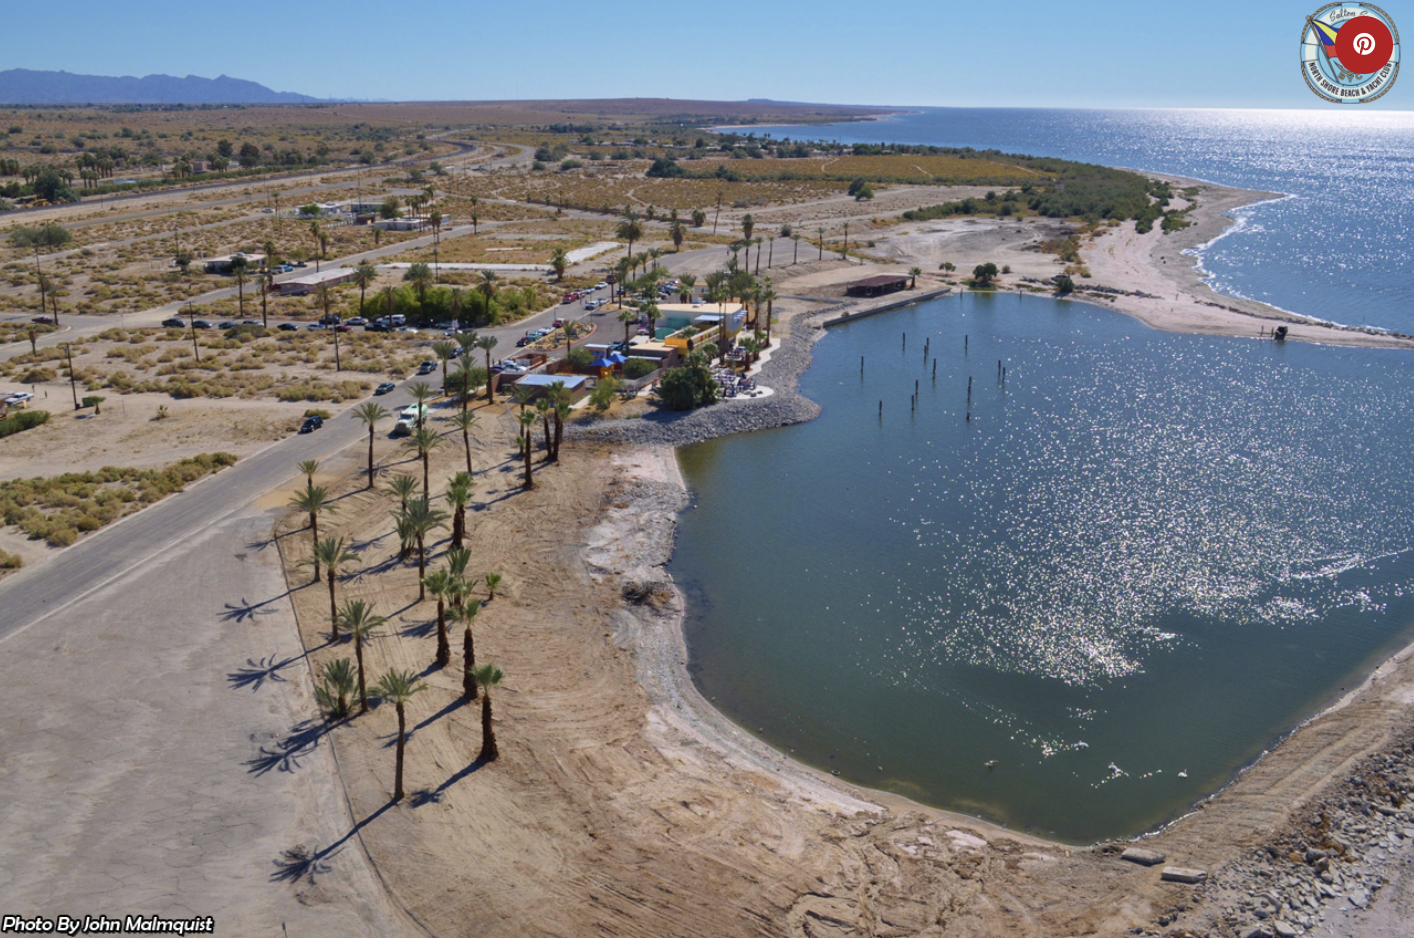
x=24, y=420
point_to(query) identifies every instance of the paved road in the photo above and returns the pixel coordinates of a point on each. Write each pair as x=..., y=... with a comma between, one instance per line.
x=159, y=752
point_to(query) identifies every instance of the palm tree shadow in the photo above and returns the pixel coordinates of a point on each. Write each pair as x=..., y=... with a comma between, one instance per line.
x=449, y=708
x=287, y=754
x=304, y=861
x=359, y=547
x=256, y=673
x=419, y=629
x=245, y=610
x=475, y=766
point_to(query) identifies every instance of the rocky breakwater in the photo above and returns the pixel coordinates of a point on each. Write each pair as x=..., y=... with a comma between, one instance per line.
x=1331, y=862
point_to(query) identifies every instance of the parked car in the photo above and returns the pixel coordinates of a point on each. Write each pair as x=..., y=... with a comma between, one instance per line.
x=315, y=325
x=43, y=320
x=174, y=323
x=427, y=367
x=375, y=327
x=202, y=324
x=288, y=327
x=407, y=329
x=358, y=321
x=343, y=327
x=384, y=388
x=299, y=264
x=311, y=423
x=398, y=319
x=332, y=319
x=523, y=341
x=250, y=322
x=225, y=325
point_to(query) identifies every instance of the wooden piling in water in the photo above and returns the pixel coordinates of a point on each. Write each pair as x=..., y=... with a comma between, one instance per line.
x=881, y=410
x=969, y=390
x=905, y=341
x=964, y=344
x=935, y=371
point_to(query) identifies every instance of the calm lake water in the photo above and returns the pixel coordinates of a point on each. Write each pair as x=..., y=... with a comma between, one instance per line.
x=1336, y=249
x=1145, y=558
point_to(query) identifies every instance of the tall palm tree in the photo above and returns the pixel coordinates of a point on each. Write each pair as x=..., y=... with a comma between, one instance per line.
x=420, y=276
x=398, y=687
x=422, y=392
x=913, y=274
x=466, y=615
x=458, y=494
x=365, y=275
x=424, y=440
x=358, y=617
x=445, y=352
x=423, y=519
x=309, y=467
x=559, y=262
x=628, y=317
x=686, y=284
x=336, y=682
x=487, y=288
x=333, y=553
x=543, y=410
x=320, y=239
x=465, y=380
x=767, y=295
x=266, y=283
x=370, y=413
x=474, y=200
x=487, y=676
x=464, y=420
x=314, y=499
x=486, y=343
x=238, y=269
x=678, y=234
x=402, y=487
x=527, y=420
x=630, y=229
x=434, y=218
x=439, y=584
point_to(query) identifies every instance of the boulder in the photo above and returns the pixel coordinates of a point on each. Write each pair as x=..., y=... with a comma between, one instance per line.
x=1181, y=874
x=1143, y=856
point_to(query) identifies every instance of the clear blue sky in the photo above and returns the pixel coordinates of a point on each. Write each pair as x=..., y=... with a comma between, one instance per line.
x=1100, y=53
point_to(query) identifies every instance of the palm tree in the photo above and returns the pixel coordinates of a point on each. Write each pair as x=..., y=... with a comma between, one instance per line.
x=914, y=273
x=458, y=494
x=265, y=282
x=398, y=687
x=543, y=410
x=238, y=269
x=309, y=467
x=486, y=343
x=333, y=554
x=424, y=440
x=390, y=296
x=559, y=398
x=560, y=262
x=621, y=272
x=487, y=676
x=487, y=288
x=445, y=351
x=458, y=559
x=420, y=276
x=628, y=317
x=434, y=218
x=464, y=420
x=493, y=580
x=335, y=684
x=699, y=218
x=527, y=419
x=423, y=519
x=748, y=224
x=464, y=380
x=630, y=229
x=402, y=487
x=407, y=534
x=320, y=239
x=466, y=614
x=678, y=235
x=474, y=200
x=365, y=274
x=422, y=392
x=370, y=413
x=359, y=619
x=687, y=283
x=795, y=259
x=314, y=500
x=764, y=293
x=439, y=584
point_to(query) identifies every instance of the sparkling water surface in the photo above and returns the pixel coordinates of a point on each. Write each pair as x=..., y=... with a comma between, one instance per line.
x=1145, y=558
x=1337, y=248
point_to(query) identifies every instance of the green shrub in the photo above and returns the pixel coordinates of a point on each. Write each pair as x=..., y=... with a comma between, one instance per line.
x=24, y=420
x=638, y=367
x=690, y=386
x=9, y=561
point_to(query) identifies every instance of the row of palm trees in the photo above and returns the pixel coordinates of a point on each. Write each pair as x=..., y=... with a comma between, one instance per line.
x=343, y=683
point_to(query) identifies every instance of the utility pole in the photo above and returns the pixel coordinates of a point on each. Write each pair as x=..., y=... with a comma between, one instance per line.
x=196, y=349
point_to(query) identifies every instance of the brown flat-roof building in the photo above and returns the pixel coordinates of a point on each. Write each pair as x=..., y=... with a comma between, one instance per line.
x=877, y=285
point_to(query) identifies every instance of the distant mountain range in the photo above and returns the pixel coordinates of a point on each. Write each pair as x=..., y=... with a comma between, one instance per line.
x=23, y=86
